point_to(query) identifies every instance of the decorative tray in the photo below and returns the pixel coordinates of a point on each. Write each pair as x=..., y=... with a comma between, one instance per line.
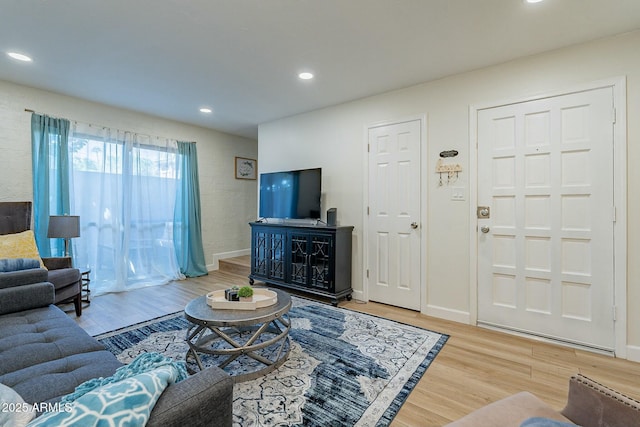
x=261, y=298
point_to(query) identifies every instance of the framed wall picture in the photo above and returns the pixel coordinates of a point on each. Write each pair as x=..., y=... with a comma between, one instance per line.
x=246, y=168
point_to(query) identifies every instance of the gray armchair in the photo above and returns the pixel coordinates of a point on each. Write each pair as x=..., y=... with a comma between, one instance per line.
x=24, y=290
x=15, y=217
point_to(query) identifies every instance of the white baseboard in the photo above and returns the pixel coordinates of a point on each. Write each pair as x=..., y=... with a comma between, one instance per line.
x=222, y=255
x=358, y=295
x=633, y=353
x=447, y=314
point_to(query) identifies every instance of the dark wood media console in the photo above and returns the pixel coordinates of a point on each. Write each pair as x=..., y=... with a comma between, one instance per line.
x=311, y=259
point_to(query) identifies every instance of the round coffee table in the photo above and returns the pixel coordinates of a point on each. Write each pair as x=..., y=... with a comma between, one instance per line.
x=242, y=335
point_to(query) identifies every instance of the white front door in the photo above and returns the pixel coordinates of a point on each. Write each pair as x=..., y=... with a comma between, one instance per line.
x=546, y=248
x=394, y=214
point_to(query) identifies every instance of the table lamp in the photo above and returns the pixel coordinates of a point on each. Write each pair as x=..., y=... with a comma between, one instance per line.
x=64, y=227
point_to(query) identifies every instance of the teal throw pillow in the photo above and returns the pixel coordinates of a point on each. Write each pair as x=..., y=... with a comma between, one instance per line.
x=544, y=422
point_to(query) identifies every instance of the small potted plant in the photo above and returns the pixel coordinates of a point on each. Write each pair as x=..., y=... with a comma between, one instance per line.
x=246, y=293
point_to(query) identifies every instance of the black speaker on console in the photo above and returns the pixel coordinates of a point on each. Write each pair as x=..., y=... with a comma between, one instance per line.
x=332, y=214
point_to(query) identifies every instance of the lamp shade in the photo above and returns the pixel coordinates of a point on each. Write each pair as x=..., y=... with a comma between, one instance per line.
x=64, y=226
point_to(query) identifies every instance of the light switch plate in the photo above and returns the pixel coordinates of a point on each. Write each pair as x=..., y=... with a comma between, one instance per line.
x=458, y=194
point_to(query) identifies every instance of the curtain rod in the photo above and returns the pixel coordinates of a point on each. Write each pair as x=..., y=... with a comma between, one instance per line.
x=29, y=110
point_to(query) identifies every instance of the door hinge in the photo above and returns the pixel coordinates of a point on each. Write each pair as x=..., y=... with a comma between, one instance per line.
x=368, y=148
x=367, y=273
x=613, y=114
x=615, y=313
x=615, y=214
x=367, y=210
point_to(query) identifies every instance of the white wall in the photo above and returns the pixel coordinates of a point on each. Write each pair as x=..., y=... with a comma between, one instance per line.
x=333, y=138
x=228, y=204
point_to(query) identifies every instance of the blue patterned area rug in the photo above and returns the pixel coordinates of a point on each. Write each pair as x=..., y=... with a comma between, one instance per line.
x=344, y=369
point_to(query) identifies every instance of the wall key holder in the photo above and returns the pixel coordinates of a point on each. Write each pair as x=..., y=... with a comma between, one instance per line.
x=450, y=169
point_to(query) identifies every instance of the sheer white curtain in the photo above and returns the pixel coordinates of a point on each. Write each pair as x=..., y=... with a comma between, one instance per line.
x=124, y=189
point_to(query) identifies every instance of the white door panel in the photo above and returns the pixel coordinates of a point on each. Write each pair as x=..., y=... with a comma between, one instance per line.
x=545, y=168
x=394, y=205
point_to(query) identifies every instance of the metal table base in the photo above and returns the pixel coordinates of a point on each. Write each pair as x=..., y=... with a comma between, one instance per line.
x=239, y=335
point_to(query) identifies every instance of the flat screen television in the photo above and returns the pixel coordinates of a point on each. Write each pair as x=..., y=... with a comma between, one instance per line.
x=291, y=194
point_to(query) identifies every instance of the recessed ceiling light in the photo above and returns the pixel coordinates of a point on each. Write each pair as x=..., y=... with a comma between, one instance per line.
x=533, y=1
x=19, y=56
x=206, y=110
x=305, y=76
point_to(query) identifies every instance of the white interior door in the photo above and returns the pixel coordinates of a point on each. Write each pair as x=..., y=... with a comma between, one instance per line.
x=394, y=214
x=546, y=250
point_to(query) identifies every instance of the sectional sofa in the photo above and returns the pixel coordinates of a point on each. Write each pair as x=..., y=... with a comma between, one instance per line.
x=45, y=355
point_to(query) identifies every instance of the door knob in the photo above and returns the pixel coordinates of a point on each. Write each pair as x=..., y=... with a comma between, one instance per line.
x=484, y=229
x=414, y=225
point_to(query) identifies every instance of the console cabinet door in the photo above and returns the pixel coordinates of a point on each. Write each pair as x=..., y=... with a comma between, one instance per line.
x=320, y=261
x=299, y=266
x=269, y=254
x=311, y=255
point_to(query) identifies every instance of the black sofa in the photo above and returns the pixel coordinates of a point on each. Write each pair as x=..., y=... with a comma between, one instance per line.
x=45, y=355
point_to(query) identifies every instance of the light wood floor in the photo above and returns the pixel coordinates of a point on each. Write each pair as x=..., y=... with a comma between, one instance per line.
x=475, y=367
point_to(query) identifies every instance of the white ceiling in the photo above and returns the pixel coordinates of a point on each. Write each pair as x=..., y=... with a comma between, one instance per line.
x=241, y=57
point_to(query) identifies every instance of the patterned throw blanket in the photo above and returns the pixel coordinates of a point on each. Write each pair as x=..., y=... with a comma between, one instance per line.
x=124, y=399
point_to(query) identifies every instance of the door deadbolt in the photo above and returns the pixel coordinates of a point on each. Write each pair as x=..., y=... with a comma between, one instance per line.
x=483, y=212
x=414, y=225
x=484, y=229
